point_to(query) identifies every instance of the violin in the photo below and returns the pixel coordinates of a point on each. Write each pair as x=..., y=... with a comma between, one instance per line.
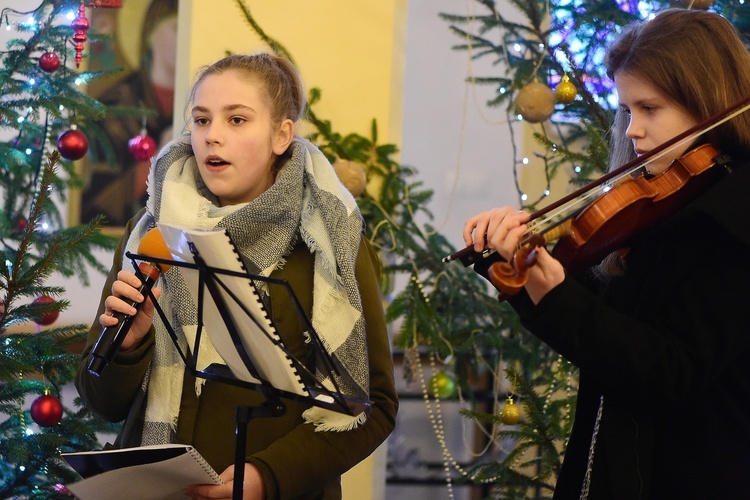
x=608, y=213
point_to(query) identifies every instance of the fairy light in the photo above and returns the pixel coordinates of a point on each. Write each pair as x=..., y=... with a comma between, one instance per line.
x=29, y=151
x=30, y=23
x=525, y=161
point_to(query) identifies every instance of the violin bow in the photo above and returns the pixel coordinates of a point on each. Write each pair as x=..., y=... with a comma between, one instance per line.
x=469, y=256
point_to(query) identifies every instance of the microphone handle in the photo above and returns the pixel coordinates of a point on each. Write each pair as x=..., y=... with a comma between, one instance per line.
x=111, y=338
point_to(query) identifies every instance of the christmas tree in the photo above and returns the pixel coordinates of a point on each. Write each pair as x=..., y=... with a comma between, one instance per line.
x=45, y=122
x=451, y=328
x=550, y=74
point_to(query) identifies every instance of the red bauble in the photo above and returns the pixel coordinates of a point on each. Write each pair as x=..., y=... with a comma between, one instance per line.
x=21, y=224
x=142, y=147
x=72, y=144
x=46, y=410
x=50, y=317
x=49, y=62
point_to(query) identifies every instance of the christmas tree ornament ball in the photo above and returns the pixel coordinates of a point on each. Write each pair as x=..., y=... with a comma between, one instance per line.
x=535, y=102
x=443, y=385
x=72, y=144
x=46, y=410
x=21, y=224
x=510, y=414
x=142, y=147
x=49, y=62
x=565, y=92
x=47, y=318
x=352, y=175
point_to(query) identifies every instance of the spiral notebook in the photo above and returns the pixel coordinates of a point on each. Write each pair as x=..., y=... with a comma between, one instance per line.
x=259, y=337
x=147, y=473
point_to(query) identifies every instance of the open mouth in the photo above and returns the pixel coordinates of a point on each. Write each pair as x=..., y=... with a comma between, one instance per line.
x=214, y=161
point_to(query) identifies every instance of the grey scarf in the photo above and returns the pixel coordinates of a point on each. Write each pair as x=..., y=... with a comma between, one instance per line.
x=306, y=201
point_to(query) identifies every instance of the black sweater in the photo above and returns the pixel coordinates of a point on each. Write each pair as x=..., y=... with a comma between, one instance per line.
x=667, y=347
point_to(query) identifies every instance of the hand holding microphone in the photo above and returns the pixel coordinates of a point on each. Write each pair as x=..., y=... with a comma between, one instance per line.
x=112, y=337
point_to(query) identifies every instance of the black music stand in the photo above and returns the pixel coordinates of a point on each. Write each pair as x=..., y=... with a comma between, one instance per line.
x=218, y=281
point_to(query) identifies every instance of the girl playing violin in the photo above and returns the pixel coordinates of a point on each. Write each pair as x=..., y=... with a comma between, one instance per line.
x=661, y=330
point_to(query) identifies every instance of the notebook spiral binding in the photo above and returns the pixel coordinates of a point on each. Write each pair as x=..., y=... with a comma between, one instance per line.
x=269, y=323
x=204, y=465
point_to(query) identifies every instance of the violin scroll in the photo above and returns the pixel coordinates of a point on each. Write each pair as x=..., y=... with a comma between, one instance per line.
x=510, y=277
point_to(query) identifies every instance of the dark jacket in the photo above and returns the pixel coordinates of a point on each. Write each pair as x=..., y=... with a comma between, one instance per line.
x=667, y=347
x=296, y=461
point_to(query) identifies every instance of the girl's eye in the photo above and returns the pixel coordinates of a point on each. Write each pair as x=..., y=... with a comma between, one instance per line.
x=625, y=110
x=237, y=120
x=200, y=120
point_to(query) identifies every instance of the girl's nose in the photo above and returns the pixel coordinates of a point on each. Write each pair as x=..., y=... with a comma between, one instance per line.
x=213, y=135
x=634, y=131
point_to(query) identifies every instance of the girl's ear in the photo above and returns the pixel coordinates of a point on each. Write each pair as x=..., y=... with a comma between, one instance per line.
x=283, y=137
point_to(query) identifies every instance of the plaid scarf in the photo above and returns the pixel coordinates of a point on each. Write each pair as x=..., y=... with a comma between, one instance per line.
x=306, y=201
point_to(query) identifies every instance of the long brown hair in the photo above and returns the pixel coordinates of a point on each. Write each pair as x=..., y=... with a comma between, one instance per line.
x=697, y=59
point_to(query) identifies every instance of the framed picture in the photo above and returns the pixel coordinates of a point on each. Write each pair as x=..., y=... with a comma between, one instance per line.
x=141, y=54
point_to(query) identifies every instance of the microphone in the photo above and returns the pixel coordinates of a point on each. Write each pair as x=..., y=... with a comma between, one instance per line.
x=111, y=338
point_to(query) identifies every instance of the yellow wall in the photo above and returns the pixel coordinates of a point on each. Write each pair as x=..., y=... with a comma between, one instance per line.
x=353, y=50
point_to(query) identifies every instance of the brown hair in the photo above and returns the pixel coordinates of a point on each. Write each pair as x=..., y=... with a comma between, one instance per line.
x=278, y=76
x=697, y=59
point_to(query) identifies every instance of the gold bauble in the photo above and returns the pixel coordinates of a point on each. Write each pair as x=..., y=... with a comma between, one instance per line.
x=565, y=92
x=535, y=102
x=352, y=175
x=510, y=414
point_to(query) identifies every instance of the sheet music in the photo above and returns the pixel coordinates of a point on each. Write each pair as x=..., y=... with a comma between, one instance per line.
x=215, y=247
